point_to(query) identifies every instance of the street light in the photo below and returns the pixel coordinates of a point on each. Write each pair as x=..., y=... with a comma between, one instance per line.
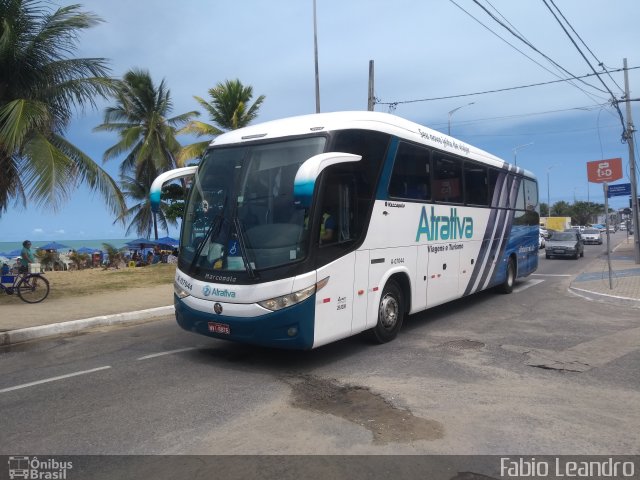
x=574, y=193
x=548, y=192
x=452, y=112
x=515, y=152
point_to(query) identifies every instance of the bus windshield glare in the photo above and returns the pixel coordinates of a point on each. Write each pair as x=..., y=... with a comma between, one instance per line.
x=240, y=215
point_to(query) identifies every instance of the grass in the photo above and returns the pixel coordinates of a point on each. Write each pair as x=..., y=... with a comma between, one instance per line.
x=95, y=280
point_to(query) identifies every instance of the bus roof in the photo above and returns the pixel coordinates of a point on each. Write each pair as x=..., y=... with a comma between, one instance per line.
x=377, y=121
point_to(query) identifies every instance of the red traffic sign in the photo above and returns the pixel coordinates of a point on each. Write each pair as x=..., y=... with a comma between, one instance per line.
x=601, y=171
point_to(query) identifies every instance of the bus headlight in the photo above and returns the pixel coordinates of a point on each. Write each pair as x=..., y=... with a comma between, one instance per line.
x=179, y=291
x=284, y=301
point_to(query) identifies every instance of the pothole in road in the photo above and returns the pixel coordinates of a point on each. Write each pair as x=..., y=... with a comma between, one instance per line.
x=361, y=406
x=463, y=345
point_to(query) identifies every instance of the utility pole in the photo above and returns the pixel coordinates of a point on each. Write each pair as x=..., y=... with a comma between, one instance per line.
x=632, y=167
x=315, y=48
x=371, y=98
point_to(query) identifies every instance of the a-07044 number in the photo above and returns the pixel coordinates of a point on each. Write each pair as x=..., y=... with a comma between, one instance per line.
x=395, y=261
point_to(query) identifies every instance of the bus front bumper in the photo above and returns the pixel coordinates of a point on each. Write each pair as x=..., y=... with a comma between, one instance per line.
x=290, y=328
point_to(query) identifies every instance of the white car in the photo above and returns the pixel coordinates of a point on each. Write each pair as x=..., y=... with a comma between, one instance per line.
x=592, y=235
x=541, y=242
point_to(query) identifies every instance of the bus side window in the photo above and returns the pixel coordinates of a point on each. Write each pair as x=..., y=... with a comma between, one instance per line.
x=447, y=181
x=410, y=177
x=475, y=184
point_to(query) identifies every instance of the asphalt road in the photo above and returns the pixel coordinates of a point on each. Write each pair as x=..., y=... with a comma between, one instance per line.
x=540, y=371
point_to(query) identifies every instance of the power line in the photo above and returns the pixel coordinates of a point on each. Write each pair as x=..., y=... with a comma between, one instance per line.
x=518, y=50
x=613, y=97
x=521, y=115
x=530, y=45
x=498, y=90
x=600, y=64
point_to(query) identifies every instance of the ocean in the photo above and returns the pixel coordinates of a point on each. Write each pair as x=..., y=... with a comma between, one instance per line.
x=6, y=247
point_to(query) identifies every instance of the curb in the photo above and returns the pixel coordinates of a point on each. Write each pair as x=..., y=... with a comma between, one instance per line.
x=12, y=337
x=604, y=297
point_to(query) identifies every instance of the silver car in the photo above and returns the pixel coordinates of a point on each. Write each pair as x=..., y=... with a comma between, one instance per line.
x=592, y=235
x=565, y=244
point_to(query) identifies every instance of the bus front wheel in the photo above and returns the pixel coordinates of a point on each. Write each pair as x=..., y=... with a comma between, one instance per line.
x=390, y=314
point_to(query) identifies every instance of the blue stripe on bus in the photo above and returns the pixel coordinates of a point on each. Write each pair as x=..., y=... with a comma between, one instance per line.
x=270, y=330
x=496, y=219
x=382, y=192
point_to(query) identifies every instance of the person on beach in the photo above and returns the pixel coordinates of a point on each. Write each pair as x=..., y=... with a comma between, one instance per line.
x=26, y=256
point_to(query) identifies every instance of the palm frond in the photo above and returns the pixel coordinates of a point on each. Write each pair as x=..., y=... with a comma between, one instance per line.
x=49, y=175
x=18, y=119
x=189, y=152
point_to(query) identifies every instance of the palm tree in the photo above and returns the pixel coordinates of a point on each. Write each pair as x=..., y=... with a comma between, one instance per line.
x=143, y=219
x=229, y=109
x=115, y=256
x=147, y=137
x=40, y=87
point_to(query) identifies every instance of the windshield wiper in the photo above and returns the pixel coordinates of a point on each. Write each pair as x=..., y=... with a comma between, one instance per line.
x=216, y=225
x=243, y=248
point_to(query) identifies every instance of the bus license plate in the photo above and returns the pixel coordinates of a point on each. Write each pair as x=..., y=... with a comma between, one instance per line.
x=215, y=327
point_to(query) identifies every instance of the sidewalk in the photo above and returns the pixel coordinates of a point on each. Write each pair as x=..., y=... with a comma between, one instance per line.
x=624, y=286
x=20, y=322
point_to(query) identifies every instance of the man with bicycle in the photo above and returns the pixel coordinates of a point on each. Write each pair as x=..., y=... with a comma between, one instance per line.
x=26, y=256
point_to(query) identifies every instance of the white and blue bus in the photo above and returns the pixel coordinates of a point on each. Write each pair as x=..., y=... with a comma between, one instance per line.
x=302, y=231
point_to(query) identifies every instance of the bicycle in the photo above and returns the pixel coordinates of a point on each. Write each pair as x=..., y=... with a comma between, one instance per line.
x=30, y=287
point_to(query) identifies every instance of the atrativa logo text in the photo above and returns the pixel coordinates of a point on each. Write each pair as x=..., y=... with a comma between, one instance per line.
x=207, y=290
x=442, y=227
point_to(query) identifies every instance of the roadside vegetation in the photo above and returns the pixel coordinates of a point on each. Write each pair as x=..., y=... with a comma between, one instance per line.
x=42, y=85
x=581, y=213
x=77, y=283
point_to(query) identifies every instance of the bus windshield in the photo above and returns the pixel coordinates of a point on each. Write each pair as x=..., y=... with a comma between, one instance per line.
x=240, y=215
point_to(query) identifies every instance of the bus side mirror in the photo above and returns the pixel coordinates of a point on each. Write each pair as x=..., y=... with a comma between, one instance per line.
x=156, y=187
x=310, y=170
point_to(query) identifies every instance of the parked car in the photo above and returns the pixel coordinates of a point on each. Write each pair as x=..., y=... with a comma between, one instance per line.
x=565, y=244
x=613, y=229
x=542, y=241
x=592, y=235
x=544, y=232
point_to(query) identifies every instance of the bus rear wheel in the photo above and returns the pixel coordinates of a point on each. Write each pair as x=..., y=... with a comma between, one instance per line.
x=390, y=314
x=507, y=285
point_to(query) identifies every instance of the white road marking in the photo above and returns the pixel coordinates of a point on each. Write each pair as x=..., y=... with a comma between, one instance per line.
x=170, y=352
x=527, y=284
x=52, y=379
x=550, y=275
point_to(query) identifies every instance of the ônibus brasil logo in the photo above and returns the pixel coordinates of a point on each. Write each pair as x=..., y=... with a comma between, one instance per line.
x=443, y=227
x=34, y=468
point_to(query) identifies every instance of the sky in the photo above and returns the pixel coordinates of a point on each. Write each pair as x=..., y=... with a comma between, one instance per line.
x=421, y=50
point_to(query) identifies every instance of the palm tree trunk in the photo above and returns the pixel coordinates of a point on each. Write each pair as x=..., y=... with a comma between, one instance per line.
x=155, y=226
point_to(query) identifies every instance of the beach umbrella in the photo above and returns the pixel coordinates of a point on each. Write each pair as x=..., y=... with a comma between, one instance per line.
x=141, y=243
x=53, y=246
x=87, y=250
x=171, y=242
x=12, y=253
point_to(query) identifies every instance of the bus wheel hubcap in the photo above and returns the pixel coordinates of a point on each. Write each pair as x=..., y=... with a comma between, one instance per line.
x=389, y=311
